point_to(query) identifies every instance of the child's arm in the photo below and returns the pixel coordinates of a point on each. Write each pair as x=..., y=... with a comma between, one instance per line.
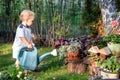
x=32, y=39
x=24, y=40
x=31, y=42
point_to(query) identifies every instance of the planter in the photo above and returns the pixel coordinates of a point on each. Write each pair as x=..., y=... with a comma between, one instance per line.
x=73, y=56
x=76, y=67
x=115, y=48
x=94, y=69
x=109, y=75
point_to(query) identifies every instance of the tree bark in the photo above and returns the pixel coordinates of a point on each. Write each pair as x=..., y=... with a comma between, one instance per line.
x=108, y=11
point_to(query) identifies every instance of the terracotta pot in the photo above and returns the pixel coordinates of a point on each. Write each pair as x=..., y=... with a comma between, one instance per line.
x=77, y=67
x=108, y=75
x=72, y=55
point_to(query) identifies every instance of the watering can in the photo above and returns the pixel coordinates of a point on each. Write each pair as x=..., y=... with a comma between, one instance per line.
x=29, y=58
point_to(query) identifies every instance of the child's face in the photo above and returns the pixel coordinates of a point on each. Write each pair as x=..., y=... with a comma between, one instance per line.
x=30, y=21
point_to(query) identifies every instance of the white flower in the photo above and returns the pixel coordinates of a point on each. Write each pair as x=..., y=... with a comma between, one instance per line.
x=18, y=75
x=25, y=78
x=0, y=73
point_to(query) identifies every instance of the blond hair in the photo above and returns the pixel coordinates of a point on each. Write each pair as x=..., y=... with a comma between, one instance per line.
x=26, y=14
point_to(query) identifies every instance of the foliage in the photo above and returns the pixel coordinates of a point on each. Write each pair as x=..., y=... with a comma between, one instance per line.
x=109, y=65
x=114, y=37
x=98, y=41
x=4, y=75
x=62, y=51
x=74, y=47
x=91, y=11
x=13, y=73
x=60, y=32
x=50, y=15
x=51, y=68
x=94, y=57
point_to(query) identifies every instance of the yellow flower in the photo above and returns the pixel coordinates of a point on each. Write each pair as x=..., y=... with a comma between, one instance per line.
x=20, y=72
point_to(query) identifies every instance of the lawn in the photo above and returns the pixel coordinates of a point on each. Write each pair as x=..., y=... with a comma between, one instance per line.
x=51, y=68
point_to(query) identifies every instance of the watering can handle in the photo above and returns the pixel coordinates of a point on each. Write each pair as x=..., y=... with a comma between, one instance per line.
x=27, y=49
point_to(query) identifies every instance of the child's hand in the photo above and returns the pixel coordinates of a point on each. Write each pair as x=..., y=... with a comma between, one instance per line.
x=30, y=46
x=33, y=44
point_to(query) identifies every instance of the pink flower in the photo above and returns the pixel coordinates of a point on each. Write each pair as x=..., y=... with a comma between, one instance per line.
x=25, y=71
x=114, y=23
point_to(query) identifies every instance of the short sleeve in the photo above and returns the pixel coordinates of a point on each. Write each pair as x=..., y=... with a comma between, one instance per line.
x=20, y=32
x=32, y=34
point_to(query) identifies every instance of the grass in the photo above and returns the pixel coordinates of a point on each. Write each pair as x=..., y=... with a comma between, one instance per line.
x=51, y=68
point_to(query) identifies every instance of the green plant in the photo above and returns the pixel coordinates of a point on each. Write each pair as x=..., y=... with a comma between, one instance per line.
x=13, y=73
x=62, y=51
x=50, y=68
x=109, y=65
x=74, y=47
x=94, y=57
x=99, y=42
x=4, y=75
x=114, y=37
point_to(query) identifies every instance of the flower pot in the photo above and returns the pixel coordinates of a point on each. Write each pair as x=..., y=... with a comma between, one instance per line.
x=109, y=75
x=73, y=56
x=115, y=48
x=76, y=67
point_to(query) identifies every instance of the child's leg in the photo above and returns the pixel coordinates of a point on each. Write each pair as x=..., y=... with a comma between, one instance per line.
x=17, y=63
x=15, y=55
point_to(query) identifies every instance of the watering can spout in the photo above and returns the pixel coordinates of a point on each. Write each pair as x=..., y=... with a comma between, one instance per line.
x=40, y=58
x=54, y=53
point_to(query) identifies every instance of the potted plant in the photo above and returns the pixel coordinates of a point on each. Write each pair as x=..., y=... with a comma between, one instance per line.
x=109, y=68
x=74, y=50
x=113, y=39
x=70, y=51
x=75, y=58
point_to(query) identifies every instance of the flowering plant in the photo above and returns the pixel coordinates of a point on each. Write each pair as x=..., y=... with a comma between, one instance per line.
x=74, y=47
x=13, y=73
x=115, y=27
x=115, y=36
x=62, y=51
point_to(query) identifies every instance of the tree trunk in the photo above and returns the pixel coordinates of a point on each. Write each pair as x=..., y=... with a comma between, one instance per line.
x=29, y=4
x=108, y=10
